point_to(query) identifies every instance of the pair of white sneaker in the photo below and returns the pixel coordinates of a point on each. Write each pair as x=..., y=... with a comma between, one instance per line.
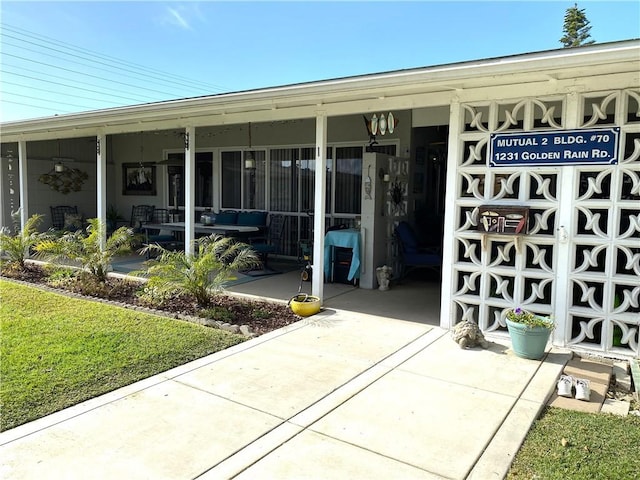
x=581, y=385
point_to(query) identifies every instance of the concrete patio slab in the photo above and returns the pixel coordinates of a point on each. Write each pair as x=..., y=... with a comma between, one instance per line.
x=434, y=425
x=166, y=431
x=273, y=379
x=360, y=336
x=501, y=451
x=446, y=361
x=311, y=456
x=290, y=372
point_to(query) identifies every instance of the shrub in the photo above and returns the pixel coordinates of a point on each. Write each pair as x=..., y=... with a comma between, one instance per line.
x=200, y=274
x=85, y=248
x=16, y=247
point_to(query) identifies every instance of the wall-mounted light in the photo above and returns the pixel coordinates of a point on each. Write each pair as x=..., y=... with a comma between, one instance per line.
x=59, y=167
x=384, y=176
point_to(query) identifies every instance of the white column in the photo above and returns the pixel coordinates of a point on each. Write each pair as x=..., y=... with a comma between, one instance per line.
x=317, y=280
x=456, y=118
x=564, y=245
x=101, y=181
x=24, y=190
x=189, y=187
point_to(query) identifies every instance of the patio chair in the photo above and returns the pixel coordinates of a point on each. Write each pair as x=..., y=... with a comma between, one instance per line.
x=140, y=214
x=273, y=240
x=65, y=217
x=158, y=236
x=412, y=254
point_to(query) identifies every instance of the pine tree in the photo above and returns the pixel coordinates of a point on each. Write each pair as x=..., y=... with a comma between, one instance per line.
x=576, y=28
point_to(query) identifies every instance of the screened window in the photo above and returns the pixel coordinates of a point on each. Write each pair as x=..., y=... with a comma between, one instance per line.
x=307, y=178
x=231, y=179
x=283, y=181
x=348, y=178
x=203, y=179
x=255, y=171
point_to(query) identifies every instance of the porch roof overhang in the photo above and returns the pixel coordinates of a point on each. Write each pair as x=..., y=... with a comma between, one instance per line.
x=403, y=89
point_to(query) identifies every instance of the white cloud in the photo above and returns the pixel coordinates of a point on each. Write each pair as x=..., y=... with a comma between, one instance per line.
x=177, y=18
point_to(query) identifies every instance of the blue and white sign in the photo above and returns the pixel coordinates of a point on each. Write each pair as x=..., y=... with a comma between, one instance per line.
x=560, y=147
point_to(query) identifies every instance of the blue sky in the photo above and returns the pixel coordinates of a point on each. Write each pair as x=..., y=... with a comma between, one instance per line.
x=60, y=57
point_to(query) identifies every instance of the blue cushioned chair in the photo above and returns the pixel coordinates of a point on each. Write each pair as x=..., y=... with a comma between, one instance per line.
x=412, y=254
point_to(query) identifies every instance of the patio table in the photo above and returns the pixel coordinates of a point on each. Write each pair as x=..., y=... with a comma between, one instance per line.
x=348, y=238
x=226, y=230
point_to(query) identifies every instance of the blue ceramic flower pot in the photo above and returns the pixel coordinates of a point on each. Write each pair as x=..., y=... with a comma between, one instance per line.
x=528, y=342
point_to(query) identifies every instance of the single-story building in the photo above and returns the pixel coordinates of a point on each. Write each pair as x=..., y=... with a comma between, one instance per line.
x=523, y=171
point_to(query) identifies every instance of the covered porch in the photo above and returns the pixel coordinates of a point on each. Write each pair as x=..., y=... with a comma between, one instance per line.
x=416, y=299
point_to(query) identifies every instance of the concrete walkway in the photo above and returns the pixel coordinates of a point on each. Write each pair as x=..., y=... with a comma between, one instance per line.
x=339, y=395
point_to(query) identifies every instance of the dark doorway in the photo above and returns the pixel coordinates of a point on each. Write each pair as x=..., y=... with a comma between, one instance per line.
x=430, y=153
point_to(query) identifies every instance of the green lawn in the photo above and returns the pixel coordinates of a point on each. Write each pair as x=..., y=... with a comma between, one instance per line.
x=57, y=351
x=595, y=446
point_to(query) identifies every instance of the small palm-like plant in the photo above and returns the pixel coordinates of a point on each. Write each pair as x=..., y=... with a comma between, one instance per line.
x=85, y=248
x=15, y=247
x=201, y=274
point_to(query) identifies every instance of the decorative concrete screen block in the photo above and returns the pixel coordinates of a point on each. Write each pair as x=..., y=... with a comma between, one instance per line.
x=583, y=224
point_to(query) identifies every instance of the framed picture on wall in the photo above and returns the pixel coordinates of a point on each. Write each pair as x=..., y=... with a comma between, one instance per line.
x=138, y=179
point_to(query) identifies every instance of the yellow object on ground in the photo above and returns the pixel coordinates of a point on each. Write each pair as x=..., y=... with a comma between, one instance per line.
x=304, y=305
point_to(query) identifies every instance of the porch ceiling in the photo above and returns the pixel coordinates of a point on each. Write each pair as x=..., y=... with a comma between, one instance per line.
x=404, y=89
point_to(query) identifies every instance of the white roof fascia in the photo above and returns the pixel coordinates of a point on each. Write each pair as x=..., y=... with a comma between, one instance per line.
x=553, y=64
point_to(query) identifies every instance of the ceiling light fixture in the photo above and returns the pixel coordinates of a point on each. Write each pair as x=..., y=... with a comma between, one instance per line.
x=249, y=162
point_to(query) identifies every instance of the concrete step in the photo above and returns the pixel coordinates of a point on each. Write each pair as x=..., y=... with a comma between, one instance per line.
x=599, y=376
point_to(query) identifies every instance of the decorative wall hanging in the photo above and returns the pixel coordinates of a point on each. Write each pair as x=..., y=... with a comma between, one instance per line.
x=367, y=184
x=138, y=179
x=64, y=179
x=379, y=125
x=397, y=193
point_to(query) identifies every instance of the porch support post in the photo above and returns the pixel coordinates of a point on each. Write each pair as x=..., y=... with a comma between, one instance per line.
x=317, y=279
x=564, y=246
x=24, y=190
x=189, y=187
x=456, y=119
x=101, y=181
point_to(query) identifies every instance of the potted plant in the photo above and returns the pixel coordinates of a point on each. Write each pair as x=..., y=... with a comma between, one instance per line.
x=529, y=333
x=112, y=218
x=304, y=305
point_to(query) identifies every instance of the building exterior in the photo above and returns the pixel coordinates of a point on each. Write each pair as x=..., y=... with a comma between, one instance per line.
x=463, y=143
